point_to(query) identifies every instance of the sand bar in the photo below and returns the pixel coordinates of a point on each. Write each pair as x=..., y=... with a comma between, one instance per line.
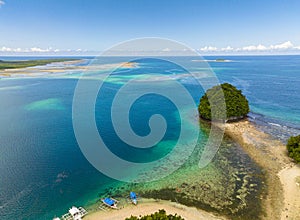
x=282, y=199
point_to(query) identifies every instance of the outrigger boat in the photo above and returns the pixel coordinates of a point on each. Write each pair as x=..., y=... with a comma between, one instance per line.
x=110, y=202
x=133, y=198
x=75, y=214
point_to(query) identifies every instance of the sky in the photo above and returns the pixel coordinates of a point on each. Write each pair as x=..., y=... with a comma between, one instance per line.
x=208, y=26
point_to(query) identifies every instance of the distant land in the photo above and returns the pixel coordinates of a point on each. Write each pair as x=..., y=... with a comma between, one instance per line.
x=29, y=63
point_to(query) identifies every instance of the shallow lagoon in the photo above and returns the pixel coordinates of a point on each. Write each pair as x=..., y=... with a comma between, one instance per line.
x=40, y=155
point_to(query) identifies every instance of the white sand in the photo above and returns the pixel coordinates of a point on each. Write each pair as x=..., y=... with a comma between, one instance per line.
x=150, y=206
x=291, y=189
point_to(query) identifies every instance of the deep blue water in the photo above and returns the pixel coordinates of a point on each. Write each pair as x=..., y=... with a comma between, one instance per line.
x=272, y=86
x=43, y=171
x=271, y=83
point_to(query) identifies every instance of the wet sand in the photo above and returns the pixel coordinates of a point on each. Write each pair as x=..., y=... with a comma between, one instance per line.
x=282, y=199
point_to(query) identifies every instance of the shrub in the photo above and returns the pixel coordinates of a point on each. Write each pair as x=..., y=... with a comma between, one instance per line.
x=293, y=147
x=160, y=215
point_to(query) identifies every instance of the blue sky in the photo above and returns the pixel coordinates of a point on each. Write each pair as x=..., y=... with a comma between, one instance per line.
x=59, y=26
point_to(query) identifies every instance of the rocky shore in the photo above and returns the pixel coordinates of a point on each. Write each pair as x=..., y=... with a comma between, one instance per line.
x=282, y=197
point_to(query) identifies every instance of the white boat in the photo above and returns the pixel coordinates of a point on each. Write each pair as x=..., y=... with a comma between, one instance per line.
x=75, y=214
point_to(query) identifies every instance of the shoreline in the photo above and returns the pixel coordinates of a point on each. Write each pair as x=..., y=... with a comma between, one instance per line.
x=282, y=197
x=150, y=206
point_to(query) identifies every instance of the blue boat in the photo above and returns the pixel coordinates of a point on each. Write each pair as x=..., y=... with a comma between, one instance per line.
x=110, y=202
x=133, y=198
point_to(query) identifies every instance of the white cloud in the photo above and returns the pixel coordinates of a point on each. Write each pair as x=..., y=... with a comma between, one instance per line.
x=259, y=47
x=166, y=50
x=228, y=48
x=249, y=48
x=28, y=50
x=208, y=49
x=5, y=49
x=8, y=49
x=2, y=3
x=283, y=46
x=18, y=49
x=37, y=49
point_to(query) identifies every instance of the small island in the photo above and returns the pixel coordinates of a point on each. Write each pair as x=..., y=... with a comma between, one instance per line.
x=237, y=106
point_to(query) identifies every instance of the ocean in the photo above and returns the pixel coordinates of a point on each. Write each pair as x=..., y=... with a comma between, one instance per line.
x=43, y=171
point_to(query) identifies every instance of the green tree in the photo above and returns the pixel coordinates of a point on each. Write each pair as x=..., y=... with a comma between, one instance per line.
x=160, y=215
x=237, y=105
x=293, y=147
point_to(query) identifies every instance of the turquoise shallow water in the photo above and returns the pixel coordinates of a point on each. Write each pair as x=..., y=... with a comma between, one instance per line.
x=43, y=171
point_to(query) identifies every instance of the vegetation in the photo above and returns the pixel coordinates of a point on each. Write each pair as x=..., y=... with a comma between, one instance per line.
x=237, y=106
x=28, y=63
x=293, y=147
x=160, y=215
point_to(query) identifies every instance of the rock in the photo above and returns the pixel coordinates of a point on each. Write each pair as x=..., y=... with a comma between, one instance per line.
x=205, y=187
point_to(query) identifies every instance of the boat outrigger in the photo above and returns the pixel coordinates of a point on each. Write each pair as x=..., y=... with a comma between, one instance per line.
x=110, y=202
x=75, y=214
x=133, y=198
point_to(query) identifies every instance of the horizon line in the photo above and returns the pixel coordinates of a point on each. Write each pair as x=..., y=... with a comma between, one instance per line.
x=157, y=55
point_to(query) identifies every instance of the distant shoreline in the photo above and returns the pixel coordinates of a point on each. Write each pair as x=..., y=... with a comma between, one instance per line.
x=63, y=67
x=17, y=64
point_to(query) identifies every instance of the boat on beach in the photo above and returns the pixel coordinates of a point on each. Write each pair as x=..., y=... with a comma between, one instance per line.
x=74, y=213
x=133, y=198
x=110, y=202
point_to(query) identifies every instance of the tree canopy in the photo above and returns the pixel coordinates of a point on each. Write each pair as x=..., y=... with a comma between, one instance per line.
x=160, y=215
x=237, y=105
x=293, y=147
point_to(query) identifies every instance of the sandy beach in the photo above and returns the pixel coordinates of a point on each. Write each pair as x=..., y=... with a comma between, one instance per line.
x=290, y=178
x=148, y=206
x=282, y=200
